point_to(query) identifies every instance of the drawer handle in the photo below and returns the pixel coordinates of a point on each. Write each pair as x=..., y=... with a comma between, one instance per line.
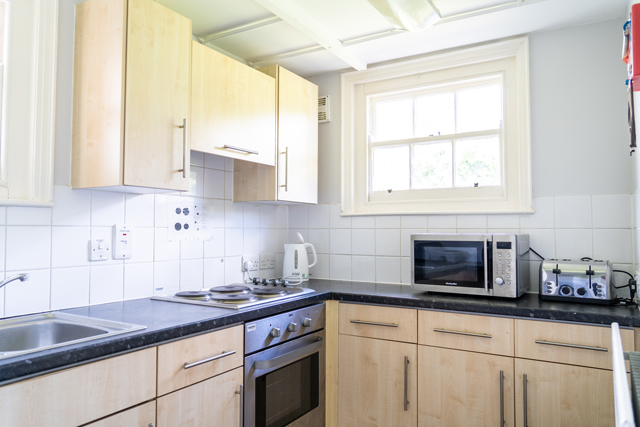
x=562, y=344
x=363, y=322
x=210, y=359
x=471, y=334
x=243, y=150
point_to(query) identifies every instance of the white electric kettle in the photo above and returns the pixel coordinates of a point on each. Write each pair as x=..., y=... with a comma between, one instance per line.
x=296, y=261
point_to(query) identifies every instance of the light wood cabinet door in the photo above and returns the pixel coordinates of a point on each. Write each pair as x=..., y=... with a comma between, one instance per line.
x=233, y=105
x=460, y=388
x=373, y=380
x=562, y=395
x=140, y=416
x=374, y=321
x=214, y=402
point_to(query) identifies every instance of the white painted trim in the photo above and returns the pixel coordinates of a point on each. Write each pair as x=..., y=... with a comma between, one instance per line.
x=29, y=101
x=522, y=202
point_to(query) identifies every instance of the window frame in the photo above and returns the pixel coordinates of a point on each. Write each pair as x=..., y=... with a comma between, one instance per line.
x=515, y=173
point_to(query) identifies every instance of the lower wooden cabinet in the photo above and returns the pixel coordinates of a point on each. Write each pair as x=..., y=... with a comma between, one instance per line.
x=140, y=416
x=213, y=402
x=375, y=382
x=460, y=388
x=563, y=395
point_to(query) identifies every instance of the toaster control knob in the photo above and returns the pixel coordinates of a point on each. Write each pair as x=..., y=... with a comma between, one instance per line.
x=306, y=322
x=275, y=332
x=565, y=290
x=499, y=281
x=293, y=327
x=581, y=291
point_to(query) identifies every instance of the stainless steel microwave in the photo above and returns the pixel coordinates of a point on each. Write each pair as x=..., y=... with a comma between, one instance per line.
x=468, y=263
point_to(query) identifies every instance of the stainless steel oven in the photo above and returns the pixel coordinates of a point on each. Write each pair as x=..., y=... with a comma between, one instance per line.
x=284, y=370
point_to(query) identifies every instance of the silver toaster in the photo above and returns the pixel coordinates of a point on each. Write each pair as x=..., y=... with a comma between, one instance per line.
x=577, y=281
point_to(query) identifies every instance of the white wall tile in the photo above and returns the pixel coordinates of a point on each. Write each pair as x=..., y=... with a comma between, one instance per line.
x=543, y=217
x=251, y=241
x=268, y=241
x=143, y=245
x=282, y=238
x=391, y=221
x=503, y=221
x=191, y=249
x=106, y=284
x=228, y=186
x=614, y=245
x=28, y=216
x=233, y=242
x=279, y=263
x=70, y=246
x=321, y=269
x=340, y=241
x=196, y=158
x=573, y=212
x=213, y=272
x=217, y=210
x=214, y=162
x=405, y=240
x=543, y=241
x=164, y=250
x=574, y=244
x=442, y=221
x=139, y=210
x=442, y=230
x=363, y=241
x=72, y=207
x=363, y=268
x=161, y=210
x=28, y=248
x=191, y=275
x=233, y=215
x=294, y=238
x=228, y=164
x=471, y=221
x=388, y=242
x=405, y=267
x=471, y=230
x=214, y=185
x=166, y=277
x=282, y=216
x=138, y=280
x=414, y=221
x=319, y=216
x=340, y=267
x=251, y=215
x=69, y=287
x=3, y=215
x=196, y=182
x=233, y=270
x=3, y=246
x=107, y=208
x=31, y=296
x=388, y=269
x=298, y=216
x=214, y=248
x=612, y=211
x=319, y=238
x=337, y=221
x=267, y=216
x=363, y=222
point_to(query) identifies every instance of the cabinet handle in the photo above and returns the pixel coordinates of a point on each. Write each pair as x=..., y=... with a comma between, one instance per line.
x=471, y=334
x=150, y=424
x=244, y=150
x=210, y=359
x=562, y=344
x=501, y=398
x=362, y=322
x=524, y=394
x=184, y=148
x=406, y=379
x=286, y=169
x=486, y=268
x=241, y=393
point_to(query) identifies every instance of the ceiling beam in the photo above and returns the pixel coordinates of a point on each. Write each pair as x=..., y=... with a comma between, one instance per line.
x=301, y=20
x=239, y=29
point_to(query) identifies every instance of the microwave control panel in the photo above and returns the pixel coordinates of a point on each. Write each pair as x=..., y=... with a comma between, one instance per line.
x=507, y=251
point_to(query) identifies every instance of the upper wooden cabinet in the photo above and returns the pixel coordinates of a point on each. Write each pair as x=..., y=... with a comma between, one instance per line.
x=295, y=177
x=132, y=76
x=233, y=108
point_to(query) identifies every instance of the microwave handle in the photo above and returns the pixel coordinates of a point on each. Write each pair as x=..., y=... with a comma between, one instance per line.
x=288, y=357
x=486, y=268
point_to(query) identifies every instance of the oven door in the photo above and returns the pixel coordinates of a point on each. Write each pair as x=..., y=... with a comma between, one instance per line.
x=452, y=263
x=284, y=385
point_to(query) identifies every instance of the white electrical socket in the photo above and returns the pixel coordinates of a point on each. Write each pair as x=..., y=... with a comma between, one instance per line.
x=267, y=261
x=252, y=261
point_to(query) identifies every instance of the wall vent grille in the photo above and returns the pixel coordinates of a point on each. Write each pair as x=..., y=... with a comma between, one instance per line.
x=323, y=109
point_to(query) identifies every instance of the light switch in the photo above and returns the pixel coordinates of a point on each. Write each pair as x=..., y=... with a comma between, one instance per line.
x=122, y=241
x=100, y=250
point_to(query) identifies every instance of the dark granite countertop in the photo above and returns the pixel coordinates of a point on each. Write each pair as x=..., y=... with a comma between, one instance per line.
x=167, y=321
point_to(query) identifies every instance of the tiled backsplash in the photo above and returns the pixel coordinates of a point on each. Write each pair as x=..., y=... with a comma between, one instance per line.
x=378, y=248
x=51, y=244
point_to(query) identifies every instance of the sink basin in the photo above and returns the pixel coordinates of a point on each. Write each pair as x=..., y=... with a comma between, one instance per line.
x=38, y=332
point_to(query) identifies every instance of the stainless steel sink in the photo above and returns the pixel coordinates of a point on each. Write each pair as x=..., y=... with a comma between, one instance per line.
x=38, y=332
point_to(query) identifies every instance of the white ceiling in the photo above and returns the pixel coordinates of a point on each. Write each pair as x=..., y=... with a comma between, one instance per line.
x=348, y=19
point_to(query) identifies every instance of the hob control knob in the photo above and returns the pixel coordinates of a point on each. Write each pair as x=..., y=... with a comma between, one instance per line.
x=499, y=281
x=565, y=290
x=275, y=332
x=293, y=327
x=306, y=322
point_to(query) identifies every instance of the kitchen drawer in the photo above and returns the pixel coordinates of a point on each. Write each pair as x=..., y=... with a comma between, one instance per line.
x=217, y=352
x=80, y=395
x=483, y=334
x=373, y=321
x=581, y=345
x=140, y=416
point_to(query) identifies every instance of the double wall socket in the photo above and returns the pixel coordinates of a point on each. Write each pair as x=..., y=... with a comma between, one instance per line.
x=252, y=262
x=267, y=261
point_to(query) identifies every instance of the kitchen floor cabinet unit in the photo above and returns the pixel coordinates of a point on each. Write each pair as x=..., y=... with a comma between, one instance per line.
x=233, y=108
x=295, y=176
x=132, y=77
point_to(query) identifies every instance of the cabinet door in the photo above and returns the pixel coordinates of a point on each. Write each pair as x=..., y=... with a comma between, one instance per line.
x=213, y=402
x=297, y=138
x=234, y=105
x=158, y=75
x=563, y=395
x=461, y=388
x=140, y=416
x=373, y=380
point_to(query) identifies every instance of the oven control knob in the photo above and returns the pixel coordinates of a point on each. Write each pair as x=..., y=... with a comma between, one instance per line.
x=581, y=291
x=306, y=322
x=499, y=281
x=275, y=332
x=565, y=290
x=293, y=327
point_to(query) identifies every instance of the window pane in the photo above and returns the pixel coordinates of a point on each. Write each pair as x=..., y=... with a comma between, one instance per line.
x=432, y=166
x=393, y=120
x=435, y=114
x=391, y=168
x=478, y=161
x=479, y=108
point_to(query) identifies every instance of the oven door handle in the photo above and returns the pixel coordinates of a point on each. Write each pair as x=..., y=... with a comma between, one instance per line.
x=288, y=357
